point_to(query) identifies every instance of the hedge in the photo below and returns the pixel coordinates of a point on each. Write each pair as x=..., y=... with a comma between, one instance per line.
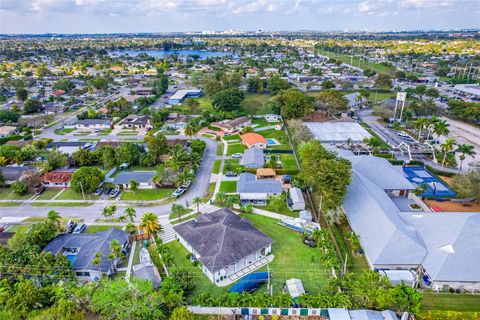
x=396, y=162
x=439, y=172
x=10, y=138
x=277, y=171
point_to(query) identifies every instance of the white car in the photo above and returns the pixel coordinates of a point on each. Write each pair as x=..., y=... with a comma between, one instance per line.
x=237, y=155
x=177, y=193
x=186, y=184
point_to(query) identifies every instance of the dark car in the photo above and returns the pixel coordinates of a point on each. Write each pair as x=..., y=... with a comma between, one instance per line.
x=309, y=242
x=80, y=228
x=98, y=191
x=39, y=190
x=71, y=225
x=231, y=174
x=107, y=191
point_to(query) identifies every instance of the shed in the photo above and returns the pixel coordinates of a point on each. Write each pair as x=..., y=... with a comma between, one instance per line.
x=295, y=199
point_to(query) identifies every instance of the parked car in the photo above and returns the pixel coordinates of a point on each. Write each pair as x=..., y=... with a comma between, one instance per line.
x=177, y=193
x=98, y=191
x=114, y=193
x=231, y=174
x=39, y=190
x=186, y=184
x=71, y=225
x=309, y=242
x=107, y=190
x=80, y=228
x=237, y=155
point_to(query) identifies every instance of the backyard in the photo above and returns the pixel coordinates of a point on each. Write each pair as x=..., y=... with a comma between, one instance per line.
x=450, y=302
x=147, y=194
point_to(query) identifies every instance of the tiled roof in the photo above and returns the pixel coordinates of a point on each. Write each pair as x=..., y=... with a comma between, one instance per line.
x=252, y=138
x=58, y=176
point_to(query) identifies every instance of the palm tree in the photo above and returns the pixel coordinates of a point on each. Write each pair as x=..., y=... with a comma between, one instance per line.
x=441, y=128
x=116, y=249
x=447, y=147
x=420, y=124
x=109, y=211
x=183, y=177
x=54, y=218
x=232, y=200
x=97, y=259
x=431, y=124
x=197, y=201
x=221, y=197
x=465, y=149
x=248, y=209
x=150, y=224
x=195, y=160
x=130, y=213
x=191, y=129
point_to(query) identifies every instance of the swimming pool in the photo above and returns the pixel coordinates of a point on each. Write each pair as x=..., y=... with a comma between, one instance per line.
x=434, y=187
x=272, y=142
x=72, y=258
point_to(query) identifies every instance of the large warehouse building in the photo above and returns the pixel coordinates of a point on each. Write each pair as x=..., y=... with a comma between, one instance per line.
x=338, y=132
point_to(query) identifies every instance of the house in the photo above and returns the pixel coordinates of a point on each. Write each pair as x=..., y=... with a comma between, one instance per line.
x=6, y=131
x=146, y=270
x=143, y=178
x=272, y=117
x=180, y=95
x=179, y=123
x=443, y=248
x=254, y=140
x=295, y=199
x=14, y=173
x=135, y=121
x=356, y=101
x=92, y=124
x=224, y=244
x=253, y=158
x=81, y=248
x=69, y=147
x=235, y=125
x=57, y=179
x=266, y=173
x=256, y=191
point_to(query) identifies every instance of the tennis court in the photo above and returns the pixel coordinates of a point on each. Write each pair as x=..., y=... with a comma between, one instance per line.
x=435, y=188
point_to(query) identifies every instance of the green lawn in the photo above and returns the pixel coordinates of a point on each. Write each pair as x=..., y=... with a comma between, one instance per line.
x=8, y=194
x=275, y=134
x=98, y=228
x=451, y=302
x=189, y=217
x=42, y=219
x=203, y=284
x=184, y=213
x=235, y=148
x=69, y=194
x=232, y=137
x=48, y=194
x=228, y=186
x=127, y=133
x=205, y=104
x=263, y=99
x=19, y=228
x=232, y=165
x=288, y=161
x=292, y=259
x=10, y=204
x=208, y=195
x=147, y=194
x=261, y=122
x=216, y=166
x=84, y=133
x=136, y=254
x=279, y=206
x=220, y=148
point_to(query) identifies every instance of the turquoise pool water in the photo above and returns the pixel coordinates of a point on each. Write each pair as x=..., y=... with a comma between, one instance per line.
x=72, y=258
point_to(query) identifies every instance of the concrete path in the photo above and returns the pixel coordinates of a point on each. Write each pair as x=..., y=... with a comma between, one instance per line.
x=220, y=172
x=130, y=261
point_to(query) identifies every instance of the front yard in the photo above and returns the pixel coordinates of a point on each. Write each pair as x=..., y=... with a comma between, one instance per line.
x=98, y=228
x=147, y=194
x=69, y=194
x=233, y=165
x=228, y=186
x=235, y=148
x=8, y=194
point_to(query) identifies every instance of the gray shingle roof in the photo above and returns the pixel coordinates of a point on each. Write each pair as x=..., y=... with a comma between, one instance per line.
x=248, y=183
x=221, y=238
x=88, y=245
x=253, y=158
x=11, y=173
x=87, y=122
x=124, y=177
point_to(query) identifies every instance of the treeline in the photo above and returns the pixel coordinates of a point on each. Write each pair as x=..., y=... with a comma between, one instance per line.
x=463, y=110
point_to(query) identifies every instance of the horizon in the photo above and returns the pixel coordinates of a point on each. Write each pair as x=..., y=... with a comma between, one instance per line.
x=149, y=16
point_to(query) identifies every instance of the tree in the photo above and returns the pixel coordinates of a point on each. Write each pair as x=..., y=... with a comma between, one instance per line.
x=191, y=129
x=192, y=104
x=128, y=152
x=32, y=106
x=251, y=107
x=178, y=210
x=133, y=185
x=294, y=104
x=197, y=201
x=327, y=84
x=276, y=84
x=8, y=116
x=181, y=313
x=19, y=187
x=420, y=90
x=55, y=160
x=247, y=129
x=109, y=211
x=150, y=224
x=116, y=250
x=130, y=213
x=332, y=101
x=383, y=80
x=405, y=299
x=465, y=149
x=467, y=185
x=370, y=291
x=212, y=87
x=160, y=86
x=156, y=143
x=54, y=218
x=447, y=147
x=255, y=85
x=228, y=100
x=87, y=179
x=97, y=259
x=32, y=179
x=63, y=84
x=22, y=93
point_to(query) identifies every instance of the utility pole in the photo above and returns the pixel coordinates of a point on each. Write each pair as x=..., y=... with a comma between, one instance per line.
x=83, y=194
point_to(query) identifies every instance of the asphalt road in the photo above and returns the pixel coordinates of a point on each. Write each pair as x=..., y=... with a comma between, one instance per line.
x=90, y=213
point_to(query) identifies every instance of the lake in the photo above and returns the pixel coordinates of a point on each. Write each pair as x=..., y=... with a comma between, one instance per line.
x=181, y=53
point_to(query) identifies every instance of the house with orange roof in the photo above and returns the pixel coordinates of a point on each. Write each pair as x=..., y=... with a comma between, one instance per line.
x=57, y=179
x=254, y=140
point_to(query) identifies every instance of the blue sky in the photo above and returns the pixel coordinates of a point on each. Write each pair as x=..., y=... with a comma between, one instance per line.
x=104, y=16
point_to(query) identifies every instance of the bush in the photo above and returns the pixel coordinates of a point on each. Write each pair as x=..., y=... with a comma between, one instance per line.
x=10, y=138
x=439, y=172
x=19, y=187
x=87, y=178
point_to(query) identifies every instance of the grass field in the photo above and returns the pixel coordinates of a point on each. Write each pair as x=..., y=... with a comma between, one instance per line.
x=288, y=161
x=292, y=258
x=8, y=194
x=228, y=186
x=61, y=204
x=451, y=302
x=10, y=204
x=216, y=166
x=98, y=228
x=220, y=149
x=232, y=165
x=263, y=99
x=127, y=133
x=48, y=194
x=235, y=148
x=232, y=137
x=148, y=194
x=69, y=194
x=208, y=195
